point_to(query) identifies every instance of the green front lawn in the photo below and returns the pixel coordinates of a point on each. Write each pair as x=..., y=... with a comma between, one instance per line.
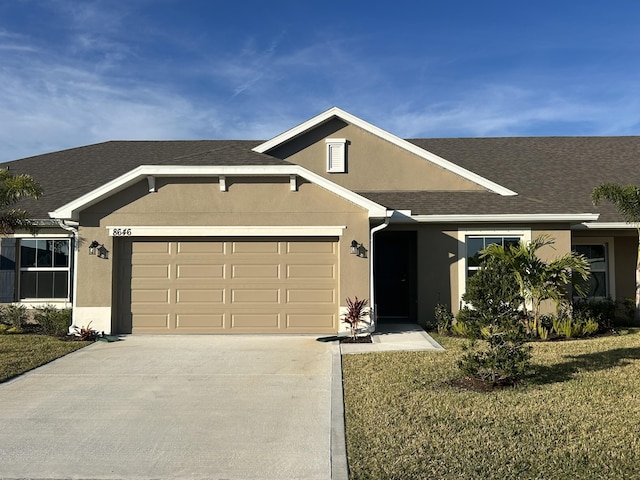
x=21, y=353
x=579, y=417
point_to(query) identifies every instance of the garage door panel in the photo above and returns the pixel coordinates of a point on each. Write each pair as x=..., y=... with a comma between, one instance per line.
x=213, y=297
x=255, y=271
x=311, y=296
x=310, y=247
x=255, y=247
x=151, y=247
x=200, y=271
x=241, y=296
x=150, y=321
x=150, y=271
x=255, y=320
x=311, y=271
x=150, y=296
x=200, y=321
x=227, y=286
x=185, y=248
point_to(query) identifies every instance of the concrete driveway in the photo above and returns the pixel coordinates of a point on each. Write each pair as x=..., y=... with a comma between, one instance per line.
x=214, y=407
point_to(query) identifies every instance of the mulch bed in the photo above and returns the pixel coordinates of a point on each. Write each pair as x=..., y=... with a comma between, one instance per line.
x=359, y=339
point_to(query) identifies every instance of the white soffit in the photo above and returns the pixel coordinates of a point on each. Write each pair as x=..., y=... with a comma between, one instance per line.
x=72, y=209
x=420, y=152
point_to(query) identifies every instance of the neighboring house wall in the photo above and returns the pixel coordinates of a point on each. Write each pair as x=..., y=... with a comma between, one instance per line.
x=372, y=163
x=197, y=202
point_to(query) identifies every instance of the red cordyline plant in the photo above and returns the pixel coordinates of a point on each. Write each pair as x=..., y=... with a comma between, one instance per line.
x=356, y=311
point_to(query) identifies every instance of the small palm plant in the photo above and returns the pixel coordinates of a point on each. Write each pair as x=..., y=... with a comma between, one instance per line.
x=356, y=312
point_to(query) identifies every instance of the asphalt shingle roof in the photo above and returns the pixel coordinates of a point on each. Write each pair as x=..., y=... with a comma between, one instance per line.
x=69, y=174
x=550, y=174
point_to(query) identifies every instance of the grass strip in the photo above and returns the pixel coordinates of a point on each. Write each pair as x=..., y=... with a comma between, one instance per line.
x=21, y=353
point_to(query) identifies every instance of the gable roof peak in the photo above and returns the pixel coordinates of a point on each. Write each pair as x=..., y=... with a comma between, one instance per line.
x=335, y=112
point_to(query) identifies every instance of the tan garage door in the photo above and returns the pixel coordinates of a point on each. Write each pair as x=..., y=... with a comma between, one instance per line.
x=233, y=286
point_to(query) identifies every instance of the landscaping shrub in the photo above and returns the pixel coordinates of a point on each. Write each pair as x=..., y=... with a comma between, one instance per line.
x=467, y=323
x=601, y=311
x=493, y=291
x=14, y=315
x=625, y=312
x=443, y=317
x=355, y=314
x=505, y=361
x=570, y=323
x=53, y=321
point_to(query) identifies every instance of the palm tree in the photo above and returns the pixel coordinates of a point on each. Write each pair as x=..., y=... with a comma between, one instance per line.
x=538, y=280
x=12, y=189
x=627, y=201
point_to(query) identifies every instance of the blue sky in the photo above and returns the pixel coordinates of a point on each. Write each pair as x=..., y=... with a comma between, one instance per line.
x=75, y=72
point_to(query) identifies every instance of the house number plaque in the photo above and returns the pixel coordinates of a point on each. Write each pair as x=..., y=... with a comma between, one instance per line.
x=120, y=232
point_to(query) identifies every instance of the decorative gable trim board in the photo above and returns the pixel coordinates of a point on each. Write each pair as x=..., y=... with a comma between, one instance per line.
x=347, y=117
x=72, y=209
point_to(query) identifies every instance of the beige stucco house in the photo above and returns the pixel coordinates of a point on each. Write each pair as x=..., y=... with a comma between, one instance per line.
x=271, y=237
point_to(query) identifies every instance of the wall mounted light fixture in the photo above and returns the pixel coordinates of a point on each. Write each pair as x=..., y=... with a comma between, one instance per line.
x=96, y=248
x=358, y=249
x=103, y=252
x=92, y=247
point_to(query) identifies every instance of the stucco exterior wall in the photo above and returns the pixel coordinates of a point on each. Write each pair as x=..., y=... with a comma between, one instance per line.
x=440, y=262
x=372, y=163
x=198, y=202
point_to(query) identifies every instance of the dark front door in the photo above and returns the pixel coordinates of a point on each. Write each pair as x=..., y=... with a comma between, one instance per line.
x=395, y=276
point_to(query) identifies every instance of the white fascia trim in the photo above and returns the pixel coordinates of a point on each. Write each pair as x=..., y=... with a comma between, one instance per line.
x=226, y=231
x=420, y=152
x=72, y=209
x=606, y=225
x=40, y=234
x=520, y=218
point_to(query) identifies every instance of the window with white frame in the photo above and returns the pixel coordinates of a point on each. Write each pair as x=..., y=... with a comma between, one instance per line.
x=596, y=255
x=472, y=241
x=477, y=243
x=44, y=268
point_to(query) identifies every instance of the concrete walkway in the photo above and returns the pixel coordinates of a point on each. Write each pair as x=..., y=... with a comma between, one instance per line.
x=193, y=407
x=393, y=337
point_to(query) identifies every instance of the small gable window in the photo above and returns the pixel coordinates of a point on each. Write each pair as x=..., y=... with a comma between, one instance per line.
x=336, y=155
